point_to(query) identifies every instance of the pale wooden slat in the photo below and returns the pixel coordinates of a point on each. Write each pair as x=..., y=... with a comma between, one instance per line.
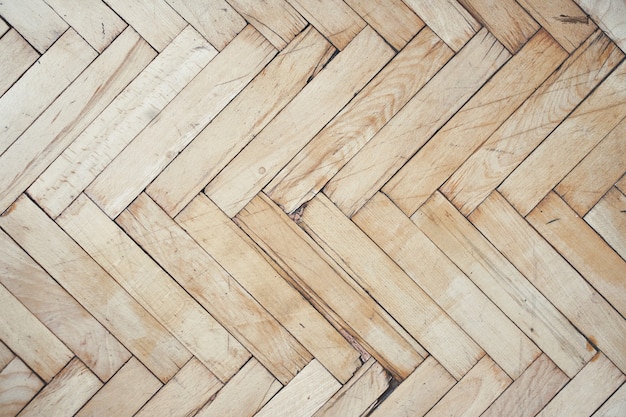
x=16, y=55
x=240, y=256
x=18, y=385
x=6, y=355
x=298, y=122
x=58, y=311
x=156, y=291
x=66, y=394
x=503, y=284
x=69, y=265
x=121, y=121
x=214, y=288
x=183, y=118
x=124, y=394
x=474, y=122
x=394, y=144
x=615, y=406
x=359, y=121
x=448, y=19
x=532, y=122
x=35, y=21
x=608, y=219
x=609, y=14
x=184, y=394
x=3, y=27
x=244, y=394
x=240, y=121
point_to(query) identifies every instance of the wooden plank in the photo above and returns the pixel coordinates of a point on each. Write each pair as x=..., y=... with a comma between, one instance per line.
x=474, y=393
x=72, y=112
x=553, y=276
x=154, y=20
x=240, y=122
x=331, y=90
x=503, y=284
x=530, y=392
x=121, y=121
x=609, y=15
x=216, y=20
x=332, y=18
x=568, y=144
x=306, y=393
x=448, y=19
x=214, y=288
x=68, y=264
x=18, y=385
x=35, y=21
x=66, y=394
x=583, y=187
x=418, y=393
x=183, y=118
x=184, y=394
x=359, y=394
x=615, y=406
x=565, y=21
x=155, y=291
x=330, y=291
x=359, y=121
x=41, y=84
x=392, y=19
x=244, y=394
x=474, y=122
x=242, y=258
x=587, y=391
x=531, y=123
x=395, y=143
x=444, y=282
x=16, y=55
x=6, y=355
x=3, y=27
x=607, y=218
x=583, y=248
x=92, y=19
x=621, y=184
x=124, y=394
x=58, y=311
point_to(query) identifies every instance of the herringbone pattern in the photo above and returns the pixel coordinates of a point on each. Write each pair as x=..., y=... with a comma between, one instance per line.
x=313, y=208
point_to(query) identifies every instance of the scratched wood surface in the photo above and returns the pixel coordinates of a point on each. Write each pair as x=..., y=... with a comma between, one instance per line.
x=313, y=208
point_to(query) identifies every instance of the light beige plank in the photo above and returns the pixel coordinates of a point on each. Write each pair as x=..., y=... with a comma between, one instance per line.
x=18, y=385
x=69, y=265
x=124, y=394
x=332, y=18
x=66, y=394
x=395, y=143
x=41, y=84
x=3, y=27
x=503, y=283
x=608, y=219
x=474, y=122
x=615, y=406
x=121, y=121
x=240, y=122
x=242, y=258
x=298, y=122
x=583, y=248
x=72, y=112
x=214, y=288
x=244, y=394
x=183, y=118
x=16, y=55
x=155, y=20
x=156, y=291
x=609, y=14
x=359, y=121
x=530, y=392
x=358, y=394
x=587, y=391
x=58, y=311
x=184, y=394
x=515, y=139
x=304, y=395
x=6, y=355
x=418, y=393
x=448, y=19
x=553, y=276
x=35, y=21
x=216, y=20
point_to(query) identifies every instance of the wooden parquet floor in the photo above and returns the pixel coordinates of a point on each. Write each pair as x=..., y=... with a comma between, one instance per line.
x=313, y=208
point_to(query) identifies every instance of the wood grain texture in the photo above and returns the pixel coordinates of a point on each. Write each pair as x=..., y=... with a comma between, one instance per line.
x=35, y=20
x=607, y=218
x=16, y=55
x=18, y=385
x=609, y=14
